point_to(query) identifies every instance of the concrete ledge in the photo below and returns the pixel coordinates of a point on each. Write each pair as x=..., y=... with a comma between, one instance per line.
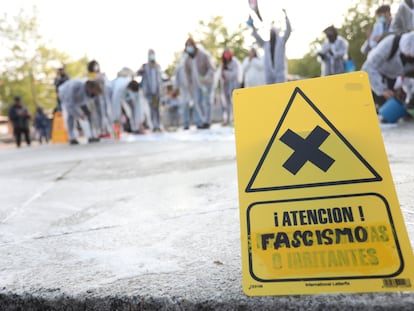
x=400, y=302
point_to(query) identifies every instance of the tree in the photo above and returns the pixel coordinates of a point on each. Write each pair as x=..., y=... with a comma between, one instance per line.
x=28, y=65
x=357, y=24
x=214, y=37
x=307, y=66
x=171, y=67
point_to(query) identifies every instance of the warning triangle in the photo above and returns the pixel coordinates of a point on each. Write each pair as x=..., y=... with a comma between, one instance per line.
x=309, y=153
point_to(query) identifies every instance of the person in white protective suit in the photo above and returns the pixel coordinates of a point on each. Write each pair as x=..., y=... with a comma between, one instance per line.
x=180, y=83
x=99, y=110
x=404, y=17
x=228, y=77
x=125, y=96
x=199, y=74
x=253, y=69
x=391, y=58
x=275, y=61
x=134, y=113
x=151, y=83
x=74, y=95
x=333, y=53
x=380, y=28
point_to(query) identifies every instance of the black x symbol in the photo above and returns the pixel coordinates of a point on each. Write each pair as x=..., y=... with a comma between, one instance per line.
x=306, y=150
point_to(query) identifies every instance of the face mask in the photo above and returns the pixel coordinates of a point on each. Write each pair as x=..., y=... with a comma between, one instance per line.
x=381, y=19
x=190, y=49
x=151, y=57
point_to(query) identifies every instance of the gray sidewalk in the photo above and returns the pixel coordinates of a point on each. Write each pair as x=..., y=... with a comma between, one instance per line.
x=149, y=223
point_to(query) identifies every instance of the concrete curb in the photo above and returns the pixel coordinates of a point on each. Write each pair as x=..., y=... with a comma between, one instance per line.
x=356, y=302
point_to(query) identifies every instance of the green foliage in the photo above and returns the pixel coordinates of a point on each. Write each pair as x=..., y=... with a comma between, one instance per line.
x=77, y=68
x=356, y=27
x=214, y=37
x=306, y=67
x=29, y=64
x=171, y=67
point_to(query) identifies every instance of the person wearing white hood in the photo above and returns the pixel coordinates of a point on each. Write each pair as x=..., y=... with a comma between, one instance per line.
x=99, y=110
x=199, y=74
x=333, y=53
x=274, y=51
x=404, y=18
x=125, y=96
x=391, y=58
x=228, y=78
x=151, y=74
x=74, y=94
x=180, y=83
x=253, y=69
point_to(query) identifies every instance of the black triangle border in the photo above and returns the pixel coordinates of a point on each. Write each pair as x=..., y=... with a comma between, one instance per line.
x=297, y=91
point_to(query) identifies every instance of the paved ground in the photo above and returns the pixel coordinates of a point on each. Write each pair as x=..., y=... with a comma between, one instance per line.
x=148, y=223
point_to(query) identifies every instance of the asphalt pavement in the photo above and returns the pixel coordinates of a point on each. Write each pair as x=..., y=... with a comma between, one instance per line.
x=150, y=222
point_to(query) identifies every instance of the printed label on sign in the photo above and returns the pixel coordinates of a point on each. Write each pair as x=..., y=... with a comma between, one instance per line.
x=305, y=239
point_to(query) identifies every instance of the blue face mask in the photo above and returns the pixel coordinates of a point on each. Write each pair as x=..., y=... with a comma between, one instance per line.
x=190, y=49
x=381, y=19
x=151, y=57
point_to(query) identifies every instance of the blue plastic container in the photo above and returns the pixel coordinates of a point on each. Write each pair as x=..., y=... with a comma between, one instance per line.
x=392, y=110
x=349, y=65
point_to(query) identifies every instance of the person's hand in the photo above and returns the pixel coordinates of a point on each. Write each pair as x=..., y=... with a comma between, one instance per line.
x=322, y=56
x=250, y=22
x=141, y=70
x=388, y=93
x=400, y=95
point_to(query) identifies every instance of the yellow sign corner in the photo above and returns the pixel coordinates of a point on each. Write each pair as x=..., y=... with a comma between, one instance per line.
x=318, y=206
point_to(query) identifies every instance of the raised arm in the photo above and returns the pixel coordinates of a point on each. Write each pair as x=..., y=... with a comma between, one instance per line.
x=288, y=30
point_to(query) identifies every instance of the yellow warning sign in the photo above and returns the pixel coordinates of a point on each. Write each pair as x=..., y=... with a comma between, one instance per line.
x=318, y=207
x=59, y=133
